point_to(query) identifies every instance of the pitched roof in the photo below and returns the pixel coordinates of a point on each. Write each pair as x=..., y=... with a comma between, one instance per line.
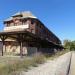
x=25, y=14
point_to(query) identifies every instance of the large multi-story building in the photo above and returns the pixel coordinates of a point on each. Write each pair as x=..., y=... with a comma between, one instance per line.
x=25, y=34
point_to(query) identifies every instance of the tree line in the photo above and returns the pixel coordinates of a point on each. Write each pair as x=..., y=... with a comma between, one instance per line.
x=69, y=45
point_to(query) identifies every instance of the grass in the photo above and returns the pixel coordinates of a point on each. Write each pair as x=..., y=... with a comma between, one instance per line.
x=14, y=65
x=55, y=55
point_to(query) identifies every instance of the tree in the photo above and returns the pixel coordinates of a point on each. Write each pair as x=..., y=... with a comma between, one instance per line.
x=70, y=45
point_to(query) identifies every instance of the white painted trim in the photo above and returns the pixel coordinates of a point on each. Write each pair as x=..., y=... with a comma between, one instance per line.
x=10, y=28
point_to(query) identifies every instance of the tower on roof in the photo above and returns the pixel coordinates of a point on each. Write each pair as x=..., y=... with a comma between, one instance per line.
x=24, y=14
x=18, y=21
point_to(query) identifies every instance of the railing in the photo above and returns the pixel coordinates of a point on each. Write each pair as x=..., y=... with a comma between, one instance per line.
x=12, y=28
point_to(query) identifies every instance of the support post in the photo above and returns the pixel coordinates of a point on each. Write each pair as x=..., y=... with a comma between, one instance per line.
x=3, y=37
x=2, y=47
x=21, y=49
x=20, y=40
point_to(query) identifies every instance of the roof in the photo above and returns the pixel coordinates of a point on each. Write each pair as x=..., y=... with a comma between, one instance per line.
x=25, y=14
x=41, y=40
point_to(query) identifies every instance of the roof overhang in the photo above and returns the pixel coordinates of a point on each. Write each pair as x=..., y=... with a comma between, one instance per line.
x=44, y=42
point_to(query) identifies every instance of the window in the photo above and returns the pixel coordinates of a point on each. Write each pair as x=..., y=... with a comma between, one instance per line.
x=8, y=24
x=32, y=22
x=32, y=30
x=24, y=21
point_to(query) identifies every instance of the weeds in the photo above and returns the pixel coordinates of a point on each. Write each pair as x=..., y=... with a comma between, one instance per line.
x=15, y=66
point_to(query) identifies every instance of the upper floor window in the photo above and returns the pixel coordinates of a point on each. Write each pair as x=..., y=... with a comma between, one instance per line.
x=8, y=24
x=32, y=21
x=32, y=31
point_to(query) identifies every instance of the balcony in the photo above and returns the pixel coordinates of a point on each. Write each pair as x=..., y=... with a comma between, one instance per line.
x=16, y=28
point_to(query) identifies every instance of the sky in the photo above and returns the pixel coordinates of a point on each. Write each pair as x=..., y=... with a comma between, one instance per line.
x=57, y=15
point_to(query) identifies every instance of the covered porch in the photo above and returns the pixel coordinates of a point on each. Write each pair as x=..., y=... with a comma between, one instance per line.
x=28, y=40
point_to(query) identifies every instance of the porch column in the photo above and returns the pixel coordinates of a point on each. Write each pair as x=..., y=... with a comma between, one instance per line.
x=3, y=47
x=3, y=37
x=21, y=48
x=20, y=41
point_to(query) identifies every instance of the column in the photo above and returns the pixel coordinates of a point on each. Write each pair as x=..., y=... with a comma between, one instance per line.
x=3, y=37
x=21, y=48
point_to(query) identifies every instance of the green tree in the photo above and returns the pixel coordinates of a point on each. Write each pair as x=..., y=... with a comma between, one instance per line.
x=69, y=45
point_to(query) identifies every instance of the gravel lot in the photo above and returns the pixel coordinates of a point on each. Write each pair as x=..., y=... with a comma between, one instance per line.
x=57, y=66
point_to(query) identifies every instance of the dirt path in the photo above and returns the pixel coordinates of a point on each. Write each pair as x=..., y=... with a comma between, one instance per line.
x=72, y=66
x=58, y=66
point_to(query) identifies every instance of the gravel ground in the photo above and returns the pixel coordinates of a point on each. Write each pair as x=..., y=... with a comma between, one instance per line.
x=72, y=66
x=57, y=66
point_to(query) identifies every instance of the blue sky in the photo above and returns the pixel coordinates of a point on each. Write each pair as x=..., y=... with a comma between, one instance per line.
x=57, y=15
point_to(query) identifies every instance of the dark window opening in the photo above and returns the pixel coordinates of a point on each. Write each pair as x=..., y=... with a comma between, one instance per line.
x=32, y=22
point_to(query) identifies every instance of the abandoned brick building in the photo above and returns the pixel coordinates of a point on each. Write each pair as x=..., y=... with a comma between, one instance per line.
x=25, y=34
